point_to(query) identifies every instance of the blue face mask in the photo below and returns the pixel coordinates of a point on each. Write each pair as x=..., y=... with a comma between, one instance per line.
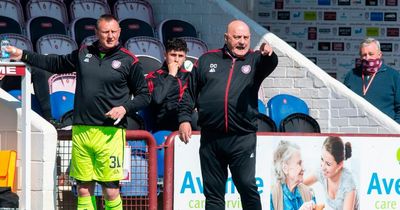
x=371, y=66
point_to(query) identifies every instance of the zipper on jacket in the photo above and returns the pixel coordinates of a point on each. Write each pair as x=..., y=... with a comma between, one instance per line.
x=227, y=93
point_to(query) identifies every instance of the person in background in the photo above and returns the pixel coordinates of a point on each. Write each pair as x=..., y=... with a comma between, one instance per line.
x=374, y=81
x=107, y=76
x=337, y=181
x=224, y=88
x=289, y=192
x=167, y=86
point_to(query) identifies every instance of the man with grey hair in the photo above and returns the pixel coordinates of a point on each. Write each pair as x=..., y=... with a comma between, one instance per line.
x=374, y=81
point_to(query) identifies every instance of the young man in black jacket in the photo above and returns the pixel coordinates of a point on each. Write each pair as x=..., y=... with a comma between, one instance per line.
x=107, y=76
x=167, y=85
x=224, y=87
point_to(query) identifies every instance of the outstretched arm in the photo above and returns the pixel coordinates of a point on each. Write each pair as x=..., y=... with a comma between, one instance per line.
x=310, y=180
x=50, y=63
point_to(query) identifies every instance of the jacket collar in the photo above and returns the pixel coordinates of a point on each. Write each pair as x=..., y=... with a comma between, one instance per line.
x=95, y=48
x=383, y=68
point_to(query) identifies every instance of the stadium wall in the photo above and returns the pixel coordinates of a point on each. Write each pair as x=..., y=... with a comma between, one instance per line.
x=336, y=108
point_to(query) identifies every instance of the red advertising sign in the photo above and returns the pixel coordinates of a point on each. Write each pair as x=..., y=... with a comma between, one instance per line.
x=12, y=70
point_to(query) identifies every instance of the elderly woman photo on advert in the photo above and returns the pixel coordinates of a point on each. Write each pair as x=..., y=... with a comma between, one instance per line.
x=289, y=192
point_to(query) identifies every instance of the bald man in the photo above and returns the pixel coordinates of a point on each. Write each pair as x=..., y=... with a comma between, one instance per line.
x=224, y=88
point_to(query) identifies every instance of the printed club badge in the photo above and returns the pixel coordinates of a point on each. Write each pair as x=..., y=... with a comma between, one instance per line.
x=116, y=64
x=246, y=69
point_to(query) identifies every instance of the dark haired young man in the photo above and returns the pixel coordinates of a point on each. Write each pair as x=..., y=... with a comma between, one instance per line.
x=167, y=86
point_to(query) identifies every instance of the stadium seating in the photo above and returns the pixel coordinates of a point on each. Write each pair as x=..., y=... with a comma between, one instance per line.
x=137, y=9
x=265, y=124
x=34, y=102
x=9, y=25
x=62, y=94
x=61, y=102
x=61, y=86
x=62, y=82
x=110, y=3
x=169, y=28
x=282, y=105
x=40, y=26
x=134, y=27
x=66, y=2
x=23, y=3
x=20, y=41
x=13, y=10
x=150, y=52
x=49, y=8
x=143, y=45
x=299, y=122
x=82, y=28
x=55, y=44
x=88, y=8
x=89, y=40
x=196, y=48
x=149, y=63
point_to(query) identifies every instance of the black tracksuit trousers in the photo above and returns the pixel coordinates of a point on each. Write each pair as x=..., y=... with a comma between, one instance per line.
x=238, y=151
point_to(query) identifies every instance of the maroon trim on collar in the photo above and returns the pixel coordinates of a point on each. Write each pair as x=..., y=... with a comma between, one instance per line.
x=135, y=59
x=83, y=47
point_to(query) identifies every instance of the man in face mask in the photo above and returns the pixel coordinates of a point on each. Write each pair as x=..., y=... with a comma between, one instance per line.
x=374, y=81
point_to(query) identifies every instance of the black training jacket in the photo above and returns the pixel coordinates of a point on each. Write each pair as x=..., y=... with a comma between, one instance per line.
x=225, y=90
x=166, y=92
x=101, y=83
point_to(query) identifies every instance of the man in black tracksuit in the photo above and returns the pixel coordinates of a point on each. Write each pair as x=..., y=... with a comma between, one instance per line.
x=224, y=87
x=107, y=76
x=167, y=86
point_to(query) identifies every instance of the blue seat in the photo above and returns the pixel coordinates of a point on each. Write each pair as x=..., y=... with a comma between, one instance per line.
x=282, y=105
x=261, y=107
x=35, y=106
x=61, y=102
x=160, y=137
